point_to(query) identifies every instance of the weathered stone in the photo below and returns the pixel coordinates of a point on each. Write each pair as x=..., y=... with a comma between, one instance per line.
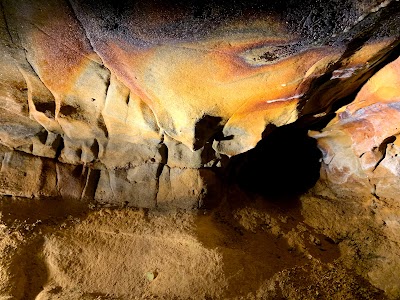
x=183, y=188
x=139, y=103
x=360, y=174
x=90, y=85
x=136, y=186
x=360, y=144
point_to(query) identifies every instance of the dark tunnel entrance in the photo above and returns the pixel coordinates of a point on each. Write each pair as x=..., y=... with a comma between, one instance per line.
x=283, y=165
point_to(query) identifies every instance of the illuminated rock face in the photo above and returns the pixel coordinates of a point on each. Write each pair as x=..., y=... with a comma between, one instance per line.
x=153, y=104
x=360, y=145
x=139, y=103
x=360, y=176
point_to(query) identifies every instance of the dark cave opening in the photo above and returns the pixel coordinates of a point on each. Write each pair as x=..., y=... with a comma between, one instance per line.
x=283, y=165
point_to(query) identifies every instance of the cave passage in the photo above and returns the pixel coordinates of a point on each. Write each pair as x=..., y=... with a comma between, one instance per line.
x=283, y=165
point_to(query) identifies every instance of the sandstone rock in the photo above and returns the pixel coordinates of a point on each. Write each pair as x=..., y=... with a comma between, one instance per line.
x=360, y=176
x=183, y=188
x=22, y=175
x=136, y=186
x=29, y=176
x=143, y=103
x=359, y=145
x=122, y=92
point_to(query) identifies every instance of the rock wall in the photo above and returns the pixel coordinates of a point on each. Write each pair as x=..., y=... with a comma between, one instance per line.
x=149, y=106
x=359, y=145
x=140, y=103
x=360, y=177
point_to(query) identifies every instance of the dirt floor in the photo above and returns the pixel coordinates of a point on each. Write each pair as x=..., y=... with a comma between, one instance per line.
x=244, y=248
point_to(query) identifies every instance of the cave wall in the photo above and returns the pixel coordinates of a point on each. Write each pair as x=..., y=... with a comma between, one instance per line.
x=167, y=104
x=141, y=103
x=360, y=146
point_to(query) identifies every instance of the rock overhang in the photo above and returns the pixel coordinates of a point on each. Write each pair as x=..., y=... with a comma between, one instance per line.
x=157, y=86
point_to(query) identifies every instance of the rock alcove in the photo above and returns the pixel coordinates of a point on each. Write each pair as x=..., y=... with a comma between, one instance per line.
x=285, y=164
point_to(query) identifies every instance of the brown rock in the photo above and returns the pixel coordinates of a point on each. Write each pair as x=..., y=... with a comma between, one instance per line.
x=359, y=144
x=137, y=105
x=115, y=88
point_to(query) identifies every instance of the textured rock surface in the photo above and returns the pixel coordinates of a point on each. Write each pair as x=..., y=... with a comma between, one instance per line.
x=360, y=146
x=144, y=96
x=244, y=249
x=360, y=167
x=146, y=104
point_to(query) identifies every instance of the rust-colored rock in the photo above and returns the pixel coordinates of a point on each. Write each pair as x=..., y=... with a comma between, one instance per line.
x=145, y=106
x=118, y=90
x=360, y=144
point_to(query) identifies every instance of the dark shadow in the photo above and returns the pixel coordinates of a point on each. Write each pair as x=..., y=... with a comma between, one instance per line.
x=205, y=128
x=283, y=165
x=35, y=268
x=95, y=148
x=68, y=110
x=48, y=108
x=254, y=236
x=42, y=135
x=313, y=19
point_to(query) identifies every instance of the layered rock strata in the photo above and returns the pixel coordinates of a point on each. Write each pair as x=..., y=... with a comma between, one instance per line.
x=138, y=103
x=149, y=104
x=360, y=145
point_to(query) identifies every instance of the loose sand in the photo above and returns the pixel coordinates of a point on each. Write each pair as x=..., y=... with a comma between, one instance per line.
x=240, y=249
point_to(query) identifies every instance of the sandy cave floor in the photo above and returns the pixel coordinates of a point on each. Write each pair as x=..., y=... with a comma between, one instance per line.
x=241, y=249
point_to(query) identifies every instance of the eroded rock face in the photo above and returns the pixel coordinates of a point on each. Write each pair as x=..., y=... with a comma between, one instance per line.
x=360, y=170
x=136, y=100
x=360, y=146
x=144, y=104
